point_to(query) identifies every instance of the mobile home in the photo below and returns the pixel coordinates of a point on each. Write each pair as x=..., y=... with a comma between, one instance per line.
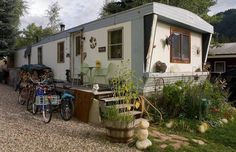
x=145, y=35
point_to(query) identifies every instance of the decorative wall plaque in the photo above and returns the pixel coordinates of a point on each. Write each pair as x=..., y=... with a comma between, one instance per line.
x=102, y=49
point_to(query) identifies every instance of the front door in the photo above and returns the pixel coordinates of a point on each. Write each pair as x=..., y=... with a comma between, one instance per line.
x=77, y=51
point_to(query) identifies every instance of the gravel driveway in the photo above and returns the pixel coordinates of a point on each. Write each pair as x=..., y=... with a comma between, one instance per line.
x=20, y=131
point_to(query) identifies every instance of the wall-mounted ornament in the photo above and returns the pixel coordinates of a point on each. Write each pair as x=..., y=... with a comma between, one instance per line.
x=168, y=40
x=93, y=42
x=198, y=51
x=67, y=55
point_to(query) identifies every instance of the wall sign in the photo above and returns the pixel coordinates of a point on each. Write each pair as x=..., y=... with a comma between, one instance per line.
x=102, y=49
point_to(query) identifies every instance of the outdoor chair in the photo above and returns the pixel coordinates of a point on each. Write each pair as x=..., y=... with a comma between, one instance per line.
x=105, y=73
x=84, y=68
x=83, y=75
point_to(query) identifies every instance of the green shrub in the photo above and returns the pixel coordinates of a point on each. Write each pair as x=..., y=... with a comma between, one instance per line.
x=126, y=87
x=112, y=114
x=174, y=98
x=203, y=101
x=196, y=103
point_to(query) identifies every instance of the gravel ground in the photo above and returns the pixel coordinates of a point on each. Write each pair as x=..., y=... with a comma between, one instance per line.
x=20, y=131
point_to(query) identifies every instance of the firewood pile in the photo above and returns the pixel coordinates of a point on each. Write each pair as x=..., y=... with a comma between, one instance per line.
x=35, y=72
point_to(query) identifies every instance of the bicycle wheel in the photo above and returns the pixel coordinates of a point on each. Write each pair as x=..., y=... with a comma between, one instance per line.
x=31, y=101
x=66, y=109
x=22, y=96
x=47, y=112
x=34, y=109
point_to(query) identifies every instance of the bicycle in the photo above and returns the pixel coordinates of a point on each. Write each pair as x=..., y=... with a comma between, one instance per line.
x=23, y=94
x=39, y=100
x=67, y=106
x=65, y=103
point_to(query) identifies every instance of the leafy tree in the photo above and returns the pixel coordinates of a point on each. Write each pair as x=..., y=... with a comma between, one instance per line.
x=54, y=17
x=32, y=34
x=10, y=13
x=225, y=29
x=199, y=7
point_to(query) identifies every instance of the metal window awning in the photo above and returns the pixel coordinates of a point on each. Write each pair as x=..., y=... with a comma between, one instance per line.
x=28, y=51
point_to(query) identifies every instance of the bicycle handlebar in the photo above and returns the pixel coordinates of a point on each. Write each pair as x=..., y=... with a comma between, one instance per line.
x=37, y=82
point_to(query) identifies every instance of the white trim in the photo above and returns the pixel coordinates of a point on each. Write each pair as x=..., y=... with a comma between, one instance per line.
x=221, y=56
x=108, y=43
x=167, y=74
x=151, y=44
x=208, y=47
x=220, y=62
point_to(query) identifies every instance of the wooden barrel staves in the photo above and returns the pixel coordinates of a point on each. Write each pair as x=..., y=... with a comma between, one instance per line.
x=119, y=131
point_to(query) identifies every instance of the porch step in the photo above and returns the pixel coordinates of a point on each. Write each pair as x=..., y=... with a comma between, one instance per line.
x=121, y=106
x=112, y=99
x=134, y=113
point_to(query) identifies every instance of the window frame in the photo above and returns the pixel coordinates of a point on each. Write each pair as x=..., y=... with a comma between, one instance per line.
x=109, y=45
x=59, y=53
x=217, y=62
x=40, y=58
x=180, y=59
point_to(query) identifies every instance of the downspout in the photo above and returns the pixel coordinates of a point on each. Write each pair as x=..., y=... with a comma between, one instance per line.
x=151, y=45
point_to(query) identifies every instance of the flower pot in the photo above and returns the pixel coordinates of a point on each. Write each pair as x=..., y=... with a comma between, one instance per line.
x=119, y=131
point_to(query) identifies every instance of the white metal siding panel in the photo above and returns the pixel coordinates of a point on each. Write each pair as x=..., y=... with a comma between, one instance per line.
x=182, y=16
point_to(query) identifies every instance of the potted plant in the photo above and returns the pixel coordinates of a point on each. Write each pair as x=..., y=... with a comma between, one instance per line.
x=120, y=123
x=119, y=128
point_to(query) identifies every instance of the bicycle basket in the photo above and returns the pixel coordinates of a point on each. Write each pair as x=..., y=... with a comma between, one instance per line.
x=55, y=99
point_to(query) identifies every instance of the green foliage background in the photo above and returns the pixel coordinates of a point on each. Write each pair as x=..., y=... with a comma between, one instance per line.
x=225, y=29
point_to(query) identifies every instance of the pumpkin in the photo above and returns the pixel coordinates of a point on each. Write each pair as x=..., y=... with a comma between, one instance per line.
x=170, y=124
x=203, y=127
x=224, y=120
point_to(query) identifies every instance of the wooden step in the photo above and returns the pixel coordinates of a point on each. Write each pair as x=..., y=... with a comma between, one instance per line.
x=120, y=106
x=112, y=99
x=134, y=113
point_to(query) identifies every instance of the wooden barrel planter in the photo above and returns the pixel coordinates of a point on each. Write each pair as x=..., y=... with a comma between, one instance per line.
x=119, y=132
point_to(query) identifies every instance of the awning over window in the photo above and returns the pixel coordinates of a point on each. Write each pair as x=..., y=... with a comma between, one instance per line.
x=28, y=51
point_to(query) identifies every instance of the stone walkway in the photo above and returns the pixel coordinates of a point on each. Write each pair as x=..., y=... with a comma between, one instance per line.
x=20, y=131
x=176, y=141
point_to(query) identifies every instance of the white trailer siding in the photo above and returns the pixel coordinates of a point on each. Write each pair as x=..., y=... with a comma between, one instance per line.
x=161, y=52
x=19, y=58
x=102, y=41
x=49, y=57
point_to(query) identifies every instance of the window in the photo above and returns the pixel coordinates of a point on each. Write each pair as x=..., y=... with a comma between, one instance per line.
x=180, y=46
x=77, y=45
x=219, y=66
x=115, y=44
x=60, y=52
x=40, y=55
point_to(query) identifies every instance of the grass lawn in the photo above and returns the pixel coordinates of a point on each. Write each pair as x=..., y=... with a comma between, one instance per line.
x=221, y=139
